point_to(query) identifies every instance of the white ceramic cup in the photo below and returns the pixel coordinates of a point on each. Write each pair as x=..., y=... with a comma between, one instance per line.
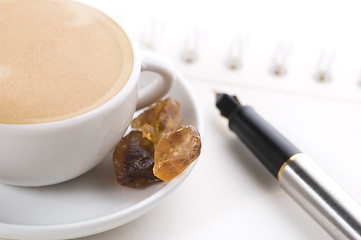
x=49, y=153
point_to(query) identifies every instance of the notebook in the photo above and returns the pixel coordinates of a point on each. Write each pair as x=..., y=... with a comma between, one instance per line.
x=311, y=103
x=298, y=65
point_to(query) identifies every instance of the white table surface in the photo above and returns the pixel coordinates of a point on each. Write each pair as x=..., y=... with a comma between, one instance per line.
x=229, y=195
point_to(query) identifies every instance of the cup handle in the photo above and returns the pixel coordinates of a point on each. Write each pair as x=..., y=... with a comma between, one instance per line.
x=156, y=90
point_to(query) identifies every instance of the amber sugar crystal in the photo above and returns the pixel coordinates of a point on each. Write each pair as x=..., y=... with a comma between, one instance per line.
x=160, y=119
x=159, y=149
x=175, y=152
x=133, y=160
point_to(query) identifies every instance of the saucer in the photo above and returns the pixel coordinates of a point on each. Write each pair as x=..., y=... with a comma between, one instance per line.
x=91, y=203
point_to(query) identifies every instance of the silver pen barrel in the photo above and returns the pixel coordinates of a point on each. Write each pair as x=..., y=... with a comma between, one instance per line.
x=320, y=196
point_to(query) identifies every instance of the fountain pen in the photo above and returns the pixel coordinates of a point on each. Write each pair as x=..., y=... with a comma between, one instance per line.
x=317, y=193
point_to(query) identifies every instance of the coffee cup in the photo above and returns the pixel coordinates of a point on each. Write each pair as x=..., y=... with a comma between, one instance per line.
x=40, y=144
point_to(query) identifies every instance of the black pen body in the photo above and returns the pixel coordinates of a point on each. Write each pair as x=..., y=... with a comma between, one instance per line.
x=265, y=142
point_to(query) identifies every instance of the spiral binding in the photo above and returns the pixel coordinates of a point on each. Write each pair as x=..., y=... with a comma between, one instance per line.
x=240, y=70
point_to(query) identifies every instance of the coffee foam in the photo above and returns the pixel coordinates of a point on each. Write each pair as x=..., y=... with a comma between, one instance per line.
x=58, y=59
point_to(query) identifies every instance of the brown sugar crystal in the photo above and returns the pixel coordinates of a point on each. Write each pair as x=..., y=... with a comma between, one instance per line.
x=133, y=160
x=175, y=152
x=159, y=148
x=160, y=119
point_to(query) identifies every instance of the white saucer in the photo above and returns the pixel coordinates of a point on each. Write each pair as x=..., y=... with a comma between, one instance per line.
x=91, y=203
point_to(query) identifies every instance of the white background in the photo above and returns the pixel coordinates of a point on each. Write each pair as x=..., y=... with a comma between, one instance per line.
x=229, y=195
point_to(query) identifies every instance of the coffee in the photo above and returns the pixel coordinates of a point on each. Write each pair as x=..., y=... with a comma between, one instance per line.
x=58, y=59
